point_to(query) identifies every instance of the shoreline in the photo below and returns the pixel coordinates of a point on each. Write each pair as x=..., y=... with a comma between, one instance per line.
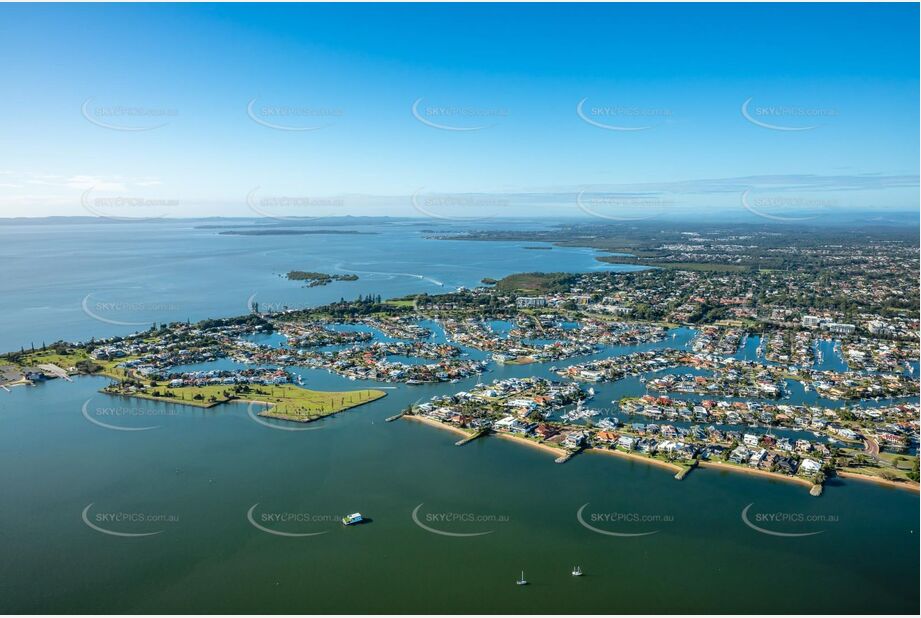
x=504, y=436
x=267, y=413
x=433, y=423
x=559, y=452
x=202, y=404
x=637, y=457
x=169, y=400
x=907, y=485
x=754, y=472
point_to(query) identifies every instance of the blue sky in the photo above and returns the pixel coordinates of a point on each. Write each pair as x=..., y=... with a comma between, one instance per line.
x=831, y=119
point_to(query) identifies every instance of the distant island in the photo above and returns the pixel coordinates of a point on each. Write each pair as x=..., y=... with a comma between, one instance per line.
x=283, y=232
x=314, y=279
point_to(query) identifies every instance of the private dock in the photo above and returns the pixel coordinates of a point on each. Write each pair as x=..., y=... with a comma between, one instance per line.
x=679, y=476
x=471, y=438
x=565, y=457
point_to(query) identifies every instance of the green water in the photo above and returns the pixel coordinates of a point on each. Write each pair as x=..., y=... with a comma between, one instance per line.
x=206, y=468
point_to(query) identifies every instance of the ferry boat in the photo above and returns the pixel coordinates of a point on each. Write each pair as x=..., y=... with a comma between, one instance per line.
x=351, y=520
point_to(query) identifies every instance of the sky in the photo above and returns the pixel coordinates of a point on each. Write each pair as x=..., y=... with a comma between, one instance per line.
x=453, y=110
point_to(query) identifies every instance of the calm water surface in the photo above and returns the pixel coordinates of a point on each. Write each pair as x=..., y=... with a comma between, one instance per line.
x=204, y=469
x=74, y=282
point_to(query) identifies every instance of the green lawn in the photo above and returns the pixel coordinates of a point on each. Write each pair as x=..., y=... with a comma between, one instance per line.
x=41, y=357
x=891, y=466
x=288, y=401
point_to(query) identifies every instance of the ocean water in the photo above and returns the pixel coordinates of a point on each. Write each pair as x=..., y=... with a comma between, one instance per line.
x=195, y=475
x=240, y=514
x=73, y=282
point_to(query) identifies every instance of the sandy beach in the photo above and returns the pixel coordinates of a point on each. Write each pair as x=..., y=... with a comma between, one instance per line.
x=637, y=457
x=544, y=447
x=432, y=422
x=771, y=475
x=915, y=487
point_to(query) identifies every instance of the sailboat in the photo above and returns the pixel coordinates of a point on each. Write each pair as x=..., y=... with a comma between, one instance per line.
x=576, y=571
x=522, y=581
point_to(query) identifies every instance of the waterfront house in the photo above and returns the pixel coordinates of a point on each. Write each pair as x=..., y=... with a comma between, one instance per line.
x=606, y=437
x=810, y=467
x=574, y=439
x=712, y=451
x=739, y=455
x=785, y=465
x=505, y=423
x=545, y=431
x=847, y=434
x=755, y=459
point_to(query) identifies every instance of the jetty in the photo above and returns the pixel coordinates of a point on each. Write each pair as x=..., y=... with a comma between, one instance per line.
x=566, y=456
x=472, y=437
x=679, y=476
x=390, y=419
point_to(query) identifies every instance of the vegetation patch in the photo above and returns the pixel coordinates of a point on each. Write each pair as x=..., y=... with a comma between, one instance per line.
x=538, y=283
x=314, y=279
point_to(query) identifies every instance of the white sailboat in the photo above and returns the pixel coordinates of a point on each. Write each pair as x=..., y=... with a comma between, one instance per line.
x=576, y=571
x=522, y=581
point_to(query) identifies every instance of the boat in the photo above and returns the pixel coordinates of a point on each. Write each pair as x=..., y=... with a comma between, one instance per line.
x=351, y=520
x=577, y=571
x=522, y=581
